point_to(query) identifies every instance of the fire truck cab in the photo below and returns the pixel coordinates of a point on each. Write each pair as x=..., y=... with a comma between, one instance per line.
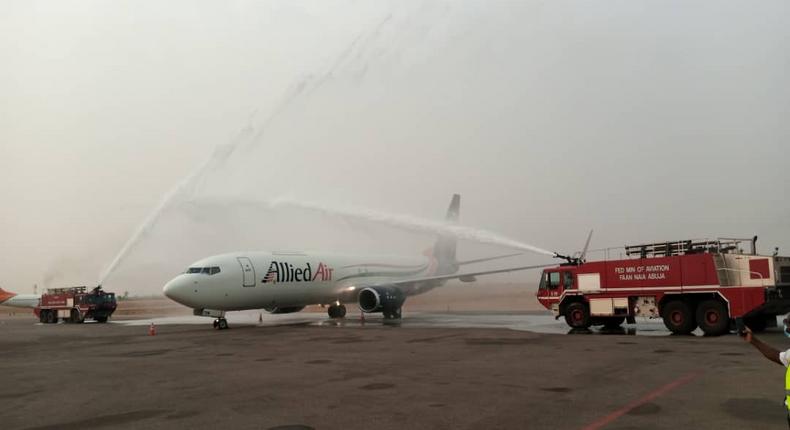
x=689, y=284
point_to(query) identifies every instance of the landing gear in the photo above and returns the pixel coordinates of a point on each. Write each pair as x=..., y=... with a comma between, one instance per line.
x=221, y=324
x=336, y=311
x=392, y=314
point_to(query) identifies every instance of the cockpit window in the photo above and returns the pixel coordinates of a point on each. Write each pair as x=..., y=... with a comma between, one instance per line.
x=204, y=270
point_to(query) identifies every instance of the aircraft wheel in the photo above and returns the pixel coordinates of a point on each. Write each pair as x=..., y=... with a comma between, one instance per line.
x=336, y=311
x=222, y=324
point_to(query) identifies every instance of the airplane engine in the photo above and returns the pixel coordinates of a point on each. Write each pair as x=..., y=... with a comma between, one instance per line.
x=283, y=310
x=380, y=299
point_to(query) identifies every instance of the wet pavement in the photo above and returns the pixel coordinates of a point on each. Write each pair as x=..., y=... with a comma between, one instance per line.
x=536, y=321
x=430, y=371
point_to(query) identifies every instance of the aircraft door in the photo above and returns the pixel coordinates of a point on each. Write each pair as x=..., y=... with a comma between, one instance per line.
x=248, y=271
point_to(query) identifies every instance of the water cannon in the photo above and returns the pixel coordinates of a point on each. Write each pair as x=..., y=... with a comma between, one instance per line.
x=576, y=261
x=572, y=261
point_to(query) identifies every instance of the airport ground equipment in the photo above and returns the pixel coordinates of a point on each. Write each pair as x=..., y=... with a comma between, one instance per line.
x=75, y=304
x=689, y=284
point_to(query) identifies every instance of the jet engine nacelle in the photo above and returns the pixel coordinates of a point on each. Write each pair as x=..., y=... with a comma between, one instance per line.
x=283, y=310
x=378, y=299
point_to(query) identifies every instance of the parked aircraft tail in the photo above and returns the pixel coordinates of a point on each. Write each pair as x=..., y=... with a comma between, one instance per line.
x=18, y=300
x=445, y=246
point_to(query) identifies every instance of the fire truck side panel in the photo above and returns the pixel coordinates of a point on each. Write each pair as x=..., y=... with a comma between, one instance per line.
x=742, y=299
x=746, y=270
x=698, y=270
x=644, y=273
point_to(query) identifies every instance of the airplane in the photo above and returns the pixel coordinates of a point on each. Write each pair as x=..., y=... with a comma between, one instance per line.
x=18, y=300
x=287, y=282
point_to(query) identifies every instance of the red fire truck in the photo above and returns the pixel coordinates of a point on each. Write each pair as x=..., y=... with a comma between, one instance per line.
x=689, y=284
x=75, y=304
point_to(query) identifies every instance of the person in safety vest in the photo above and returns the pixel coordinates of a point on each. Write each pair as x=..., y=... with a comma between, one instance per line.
x=778, y=357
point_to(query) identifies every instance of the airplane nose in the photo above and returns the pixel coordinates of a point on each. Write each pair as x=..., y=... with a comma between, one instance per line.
x=172, y=289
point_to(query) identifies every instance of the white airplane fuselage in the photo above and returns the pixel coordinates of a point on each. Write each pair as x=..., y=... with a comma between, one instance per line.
x=271, y=280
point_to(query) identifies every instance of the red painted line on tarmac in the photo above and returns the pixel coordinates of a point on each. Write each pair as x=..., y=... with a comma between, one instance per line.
x=660, y=391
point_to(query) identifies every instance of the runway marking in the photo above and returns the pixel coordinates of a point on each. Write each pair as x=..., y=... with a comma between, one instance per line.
x=660, y=391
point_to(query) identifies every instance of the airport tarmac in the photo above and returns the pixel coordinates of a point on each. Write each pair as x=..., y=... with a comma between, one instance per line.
x=533, y=321
x=471, y=370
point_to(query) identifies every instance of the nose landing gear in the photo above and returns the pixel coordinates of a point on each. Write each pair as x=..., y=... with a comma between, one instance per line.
x=336, y=311
x=221, y=324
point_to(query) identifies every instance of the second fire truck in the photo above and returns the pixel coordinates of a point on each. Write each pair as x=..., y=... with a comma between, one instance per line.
x=75, y=304
x=689, y=284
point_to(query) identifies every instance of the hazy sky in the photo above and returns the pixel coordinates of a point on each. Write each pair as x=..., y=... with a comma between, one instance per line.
x=645, y=120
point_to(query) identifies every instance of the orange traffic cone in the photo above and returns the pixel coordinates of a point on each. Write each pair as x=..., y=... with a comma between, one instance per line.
x=152, y=330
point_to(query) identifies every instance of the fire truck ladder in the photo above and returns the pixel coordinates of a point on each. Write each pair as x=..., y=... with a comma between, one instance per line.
x=75, y=290
x=668, y=249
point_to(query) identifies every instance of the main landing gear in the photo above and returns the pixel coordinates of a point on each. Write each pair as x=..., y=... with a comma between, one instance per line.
x=392, y=314
x=221, y=324
x=336, y=311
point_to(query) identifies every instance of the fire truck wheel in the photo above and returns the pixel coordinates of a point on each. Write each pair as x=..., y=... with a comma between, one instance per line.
x=52, y=317
x=75, y=316
x=678, y=317
x=101, y=319
x=713, y=318
x=577, y=315
x=42, y=316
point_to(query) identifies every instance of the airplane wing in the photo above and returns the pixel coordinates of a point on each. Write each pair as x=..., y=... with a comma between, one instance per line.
x=405, y=282
x=481, y=260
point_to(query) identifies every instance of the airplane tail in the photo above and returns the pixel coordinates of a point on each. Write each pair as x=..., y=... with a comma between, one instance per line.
x=5, y=295
x=445, y=246
x=18, y=300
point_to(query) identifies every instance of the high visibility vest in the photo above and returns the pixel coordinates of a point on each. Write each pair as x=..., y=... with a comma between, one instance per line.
x=787, y=389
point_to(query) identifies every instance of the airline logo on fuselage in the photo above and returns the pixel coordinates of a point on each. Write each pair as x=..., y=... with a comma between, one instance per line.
x=287, y=272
